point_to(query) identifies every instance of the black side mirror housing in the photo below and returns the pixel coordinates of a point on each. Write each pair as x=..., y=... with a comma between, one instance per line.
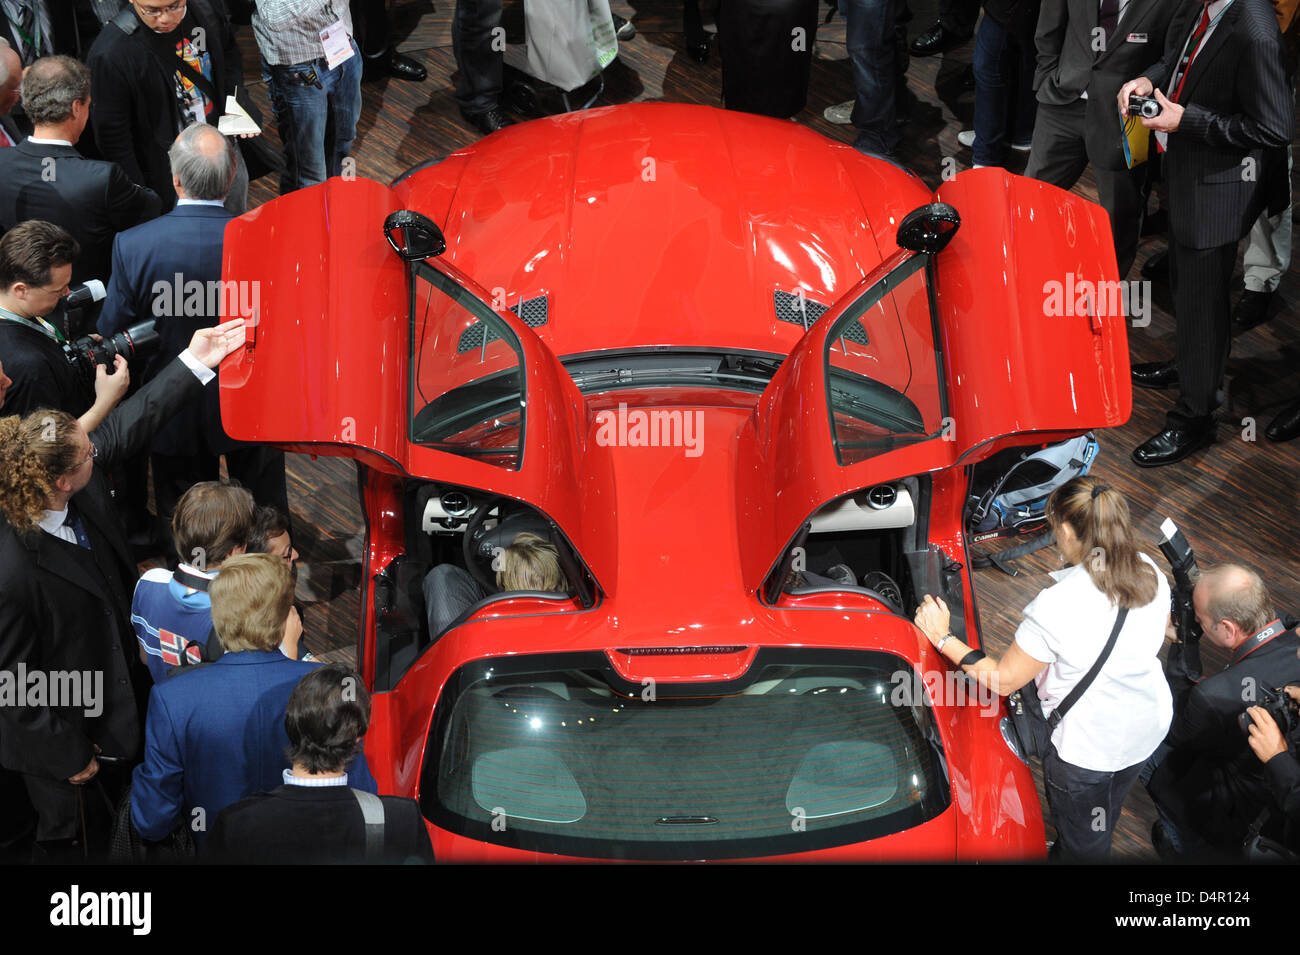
x=928, y=228
x=413, y=236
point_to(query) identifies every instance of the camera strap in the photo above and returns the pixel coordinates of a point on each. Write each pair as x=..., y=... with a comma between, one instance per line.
x=1276, y=628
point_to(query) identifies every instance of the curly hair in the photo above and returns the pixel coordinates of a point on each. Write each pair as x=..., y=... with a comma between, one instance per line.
x=34, y=452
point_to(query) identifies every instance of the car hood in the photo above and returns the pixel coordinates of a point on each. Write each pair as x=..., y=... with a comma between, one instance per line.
x=663, y=224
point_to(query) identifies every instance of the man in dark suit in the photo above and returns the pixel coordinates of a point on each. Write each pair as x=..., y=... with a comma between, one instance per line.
x=1086, y=50
x=1228, y=110
x=44, y=177
x=66, y=576
x=35, y=271
x=156, y=267
x=216, y=733
x=144, y=97
x=315, y=817
x=1206, y=783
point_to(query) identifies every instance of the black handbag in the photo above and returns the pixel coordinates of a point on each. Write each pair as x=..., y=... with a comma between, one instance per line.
x=1026, y=711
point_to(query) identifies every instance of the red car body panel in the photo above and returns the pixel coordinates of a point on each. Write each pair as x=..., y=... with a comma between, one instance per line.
x=664, y=226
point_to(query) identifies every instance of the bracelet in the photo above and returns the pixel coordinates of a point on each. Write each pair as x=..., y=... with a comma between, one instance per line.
x=975, y=656
x=942, y=640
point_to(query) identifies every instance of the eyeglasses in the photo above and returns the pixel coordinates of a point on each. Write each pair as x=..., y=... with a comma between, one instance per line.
x=156, y=13
x=90, y=455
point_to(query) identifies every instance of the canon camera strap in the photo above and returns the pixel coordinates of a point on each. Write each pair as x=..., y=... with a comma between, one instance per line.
x=1274, y=629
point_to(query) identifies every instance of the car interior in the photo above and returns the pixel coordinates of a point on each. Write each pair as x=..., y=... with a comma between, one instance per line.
x=445, y=524
x=873, y=543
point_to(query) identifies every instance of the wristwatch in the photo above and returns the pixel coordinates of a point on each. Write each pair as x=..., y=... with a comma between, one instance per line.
x=942, y=640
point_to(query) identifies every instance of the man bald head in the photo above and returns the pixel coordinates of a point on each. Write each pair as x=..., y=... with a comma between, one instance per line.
x=1232, y=604
x=11, y=77
x=203, y=163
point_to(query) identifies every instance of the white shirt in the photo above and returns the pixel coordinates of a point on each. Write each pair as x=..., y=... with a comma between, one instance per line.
x=200, y=202
x=315, y=782
x=48, y=142
x=52, y=523
x=1125, y=713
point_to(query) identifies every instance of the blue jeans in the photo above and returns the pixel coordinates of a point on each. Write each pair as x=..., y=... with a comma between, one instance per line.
x=869, y=29
x=478, y=87
x=317, y=126
x=1004, y=91
x=1085, y=806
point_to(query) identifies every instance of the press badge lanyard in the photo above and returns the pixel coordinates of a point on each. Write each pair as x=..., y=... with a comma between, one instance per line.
x=38, y=324
x=1258, y=640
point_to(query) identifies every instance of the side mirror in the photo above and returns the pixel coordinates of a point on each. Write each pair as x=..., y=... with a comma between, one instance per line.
x=928, y=228
x=414, y=237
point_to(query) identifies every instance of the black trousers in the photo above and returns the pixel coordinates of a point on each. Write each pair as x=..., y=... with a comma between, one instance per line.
x=256, y=467
x=959, y=16
x=370, y=26
x=1059, y=156
x=1085, y=806
x=1202, y=286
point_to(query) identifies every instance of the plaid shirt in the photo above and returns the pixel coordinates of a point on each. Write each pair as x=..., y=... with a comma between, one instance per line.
x=288, y=31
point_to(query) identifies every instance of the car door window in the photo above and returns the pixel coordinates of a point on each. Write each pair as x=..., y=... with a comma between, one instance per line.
x=468, y=395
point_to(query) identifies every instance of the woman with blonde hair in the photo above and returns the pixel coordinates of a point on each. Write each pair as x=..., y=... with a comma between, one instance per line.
x=1100, y=745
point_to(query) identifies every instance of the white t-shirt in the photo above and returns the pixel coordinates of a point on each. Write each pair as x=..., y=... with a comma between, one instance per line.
x=1125, y=713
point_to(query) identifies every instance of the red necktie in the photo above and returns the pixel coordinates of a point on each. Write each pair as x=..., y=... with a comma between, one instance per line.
x=1193, y=47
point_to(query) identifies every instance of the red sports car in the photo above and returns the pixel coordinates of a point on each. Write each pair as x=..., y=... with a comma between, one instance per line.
x=737, y=374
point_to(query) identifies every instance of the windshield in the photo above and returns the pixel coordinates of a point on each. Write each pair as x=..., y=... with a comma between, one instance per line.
x=556, y=753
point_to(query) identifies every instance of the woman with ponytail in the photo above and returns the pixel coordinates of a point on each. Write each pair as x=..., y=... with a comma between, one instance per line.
x=1100, y=745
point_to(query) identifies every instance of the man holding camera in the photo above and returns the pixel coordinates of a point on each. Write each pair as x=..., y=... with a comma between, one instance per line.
x=1281, y=766
x=1225, y=108
x=1206, y=784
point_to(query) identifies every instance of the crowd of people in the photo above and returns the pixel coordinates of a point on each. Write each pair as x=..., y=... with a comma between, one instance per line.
x=115, y=173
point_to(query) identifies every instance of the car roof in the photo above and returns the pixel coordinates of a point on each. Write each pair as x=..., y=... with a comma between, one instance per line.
x=664, y=224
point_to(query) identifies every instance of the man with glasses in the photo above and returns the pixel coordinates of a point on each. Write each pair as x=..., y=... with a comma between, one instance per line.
x=158, y=67
x=312, y=66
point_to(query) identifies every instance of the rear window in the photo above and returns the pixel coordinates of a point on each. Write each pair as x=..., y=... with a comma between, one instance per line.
x=557, y=753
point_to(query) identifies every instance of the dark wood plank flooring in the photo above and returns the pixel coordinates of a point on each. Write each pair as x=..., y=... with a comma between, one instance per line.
x=1236, y=501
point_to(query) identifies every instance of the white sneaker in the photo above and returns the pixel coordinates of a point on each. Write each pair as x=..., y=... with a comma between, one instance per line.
x=966, y=137
x=840, y=114
x=977, y=165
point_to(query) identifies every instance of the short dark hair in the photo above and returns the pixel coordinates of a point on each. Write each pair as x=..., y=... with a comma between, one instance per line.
x=328, y=713
x=31, y=249
x=50, y=86
x=213, y=517
x=268, y=522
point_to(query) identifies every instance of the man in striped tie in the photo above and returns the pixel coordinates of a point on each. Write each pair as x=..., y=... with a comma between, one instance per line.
x=1225, y=107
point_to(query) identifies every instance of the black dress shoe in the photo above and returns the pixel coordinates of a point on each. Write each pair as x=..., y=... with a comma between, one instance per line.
x=1286, y=425
x=698, y=51
x=403, y=67
x=624, y=29
x=489, y=121
x=1173, y=444
x=937, y=39
x=1155, y=374
x=1157, y=267
x=1252, y=310
x=1160, y=842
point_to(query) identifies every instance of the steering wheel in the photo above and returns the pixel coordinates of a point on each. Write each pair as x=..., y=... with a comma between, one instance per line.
x=473, y=537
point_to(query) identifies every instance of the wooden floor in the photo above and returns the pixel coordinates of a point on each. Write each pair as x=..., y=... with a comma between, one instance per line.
x=1236, y=501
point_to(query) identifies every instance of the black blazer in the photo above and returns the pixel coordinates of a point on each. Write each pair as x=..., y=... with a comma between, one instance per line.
x=92, y=199
x=134, y=112
x=187, y=241
x=1211, y=780
x=299, y=824
x=1228, y=159
x=65, y=608
x=1068, y=65
x=42, y=375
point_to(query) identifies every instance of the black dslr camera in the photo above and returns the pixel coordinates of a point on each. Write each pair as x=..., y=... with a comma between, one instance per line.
x=1183, y=564
x=1146, y=106
x=85, y=353
x=1284, y=710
